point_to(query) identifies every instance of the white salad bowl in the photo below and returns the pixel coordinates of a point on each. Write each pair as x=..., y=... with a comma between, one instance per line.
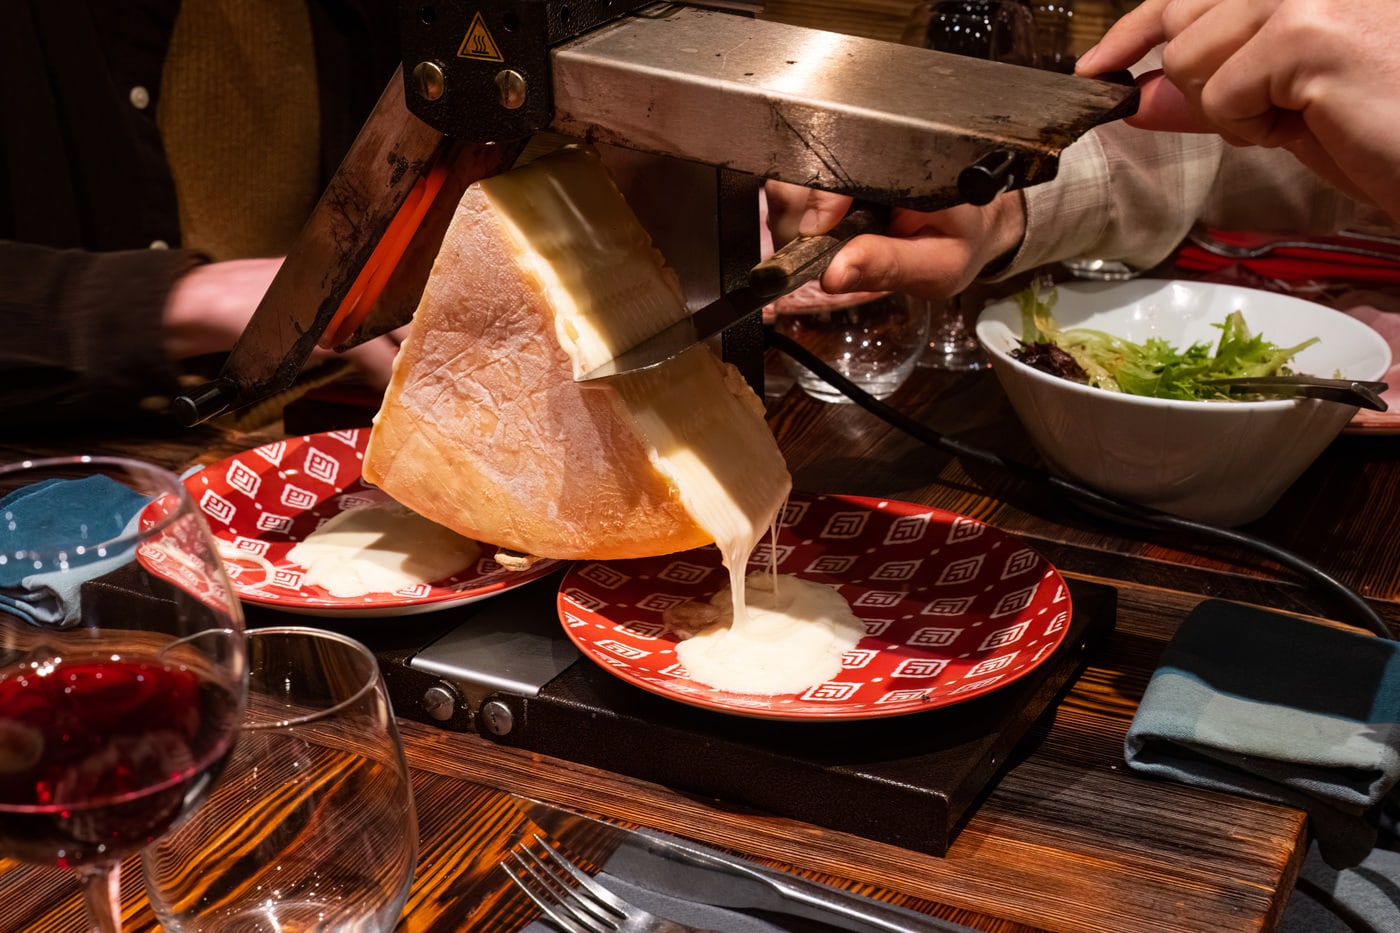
x=1221, y=462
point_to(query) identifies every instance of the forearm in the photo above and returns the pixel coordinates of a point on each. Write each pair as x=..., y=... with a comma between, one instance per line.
x=83, y=332
x=1132, y=195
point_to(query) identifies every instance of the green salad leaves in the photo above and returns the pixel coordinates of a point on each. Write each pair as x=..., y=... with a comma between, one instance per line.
x=1154, y=367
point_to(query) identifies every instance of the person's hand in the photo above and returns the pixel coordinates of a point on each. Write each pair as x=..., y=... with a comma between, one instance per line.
x=1320, y=78
x=210, y=306
x=931, y=255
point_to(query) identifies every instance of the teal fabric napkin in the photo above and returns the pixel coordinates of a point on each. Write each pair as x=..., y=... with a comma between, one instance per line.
x=43, y=514
x=1281, y=709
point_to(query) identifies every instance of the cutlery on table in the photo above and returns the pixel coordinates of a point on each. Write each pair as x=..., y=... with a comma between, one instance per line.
x=1360, y=393
x=1232, y=251
x=680, y=867
x=676, y=867
x=576, y=903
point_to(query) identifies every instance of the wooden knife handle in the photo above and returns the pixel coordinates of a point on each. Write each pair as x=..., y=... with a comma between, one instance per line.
x=806, y=257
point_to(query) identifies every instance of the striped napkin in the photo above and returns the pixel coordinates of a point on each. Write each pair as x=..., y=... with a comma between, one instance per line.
x=1278, y=708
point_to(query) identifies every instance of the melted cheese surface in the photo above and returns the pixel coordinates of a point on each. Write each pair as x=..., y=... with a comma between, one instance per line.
x=381, y=548
x=791, y=638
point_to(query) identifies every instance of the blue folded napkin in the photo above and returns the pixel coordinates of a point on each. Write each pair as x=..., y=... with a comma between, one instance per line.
x=1277, y=708
x=42, y=516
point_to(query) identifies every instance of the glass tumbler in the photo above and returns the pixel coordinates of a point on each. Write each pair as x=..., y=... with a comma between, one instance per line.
x=876, y=344
x=312, y=826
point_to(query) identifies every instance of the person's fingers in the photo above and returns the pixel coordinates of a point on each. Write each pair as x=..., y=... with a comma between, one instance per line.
x=1134, y=35
x=797, y=211
x=1239, y=102
x=1206, y=36
x=930, y=267
x=1162, y=106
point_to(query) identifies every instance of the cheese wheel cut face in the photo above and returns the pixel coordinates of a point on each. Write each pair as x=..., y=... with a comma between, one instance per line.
x=544, y=273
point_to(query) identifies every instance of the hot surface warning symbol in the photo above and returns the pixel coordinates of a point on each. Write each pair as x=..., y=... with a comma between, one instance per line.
x=478, y=43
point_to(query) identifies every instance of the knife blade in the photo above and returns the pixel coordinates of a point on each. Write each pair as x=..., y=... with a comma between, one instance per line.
x=685, y=870
x=679, y=868
x=790, y=267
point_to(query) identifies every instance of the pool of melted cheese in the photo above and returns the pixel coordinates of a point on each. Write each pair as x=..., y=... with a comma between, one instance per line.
x=788, y=634
x=380, y=548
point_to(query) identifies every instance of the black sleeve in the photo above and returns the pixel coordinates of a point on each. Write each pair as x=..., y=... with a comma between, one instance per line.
x=80, y=333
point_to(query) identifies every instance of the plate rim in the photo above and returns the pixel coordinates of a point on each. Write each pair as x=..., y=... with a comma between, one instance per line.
x=405, y=606
x=816, y=716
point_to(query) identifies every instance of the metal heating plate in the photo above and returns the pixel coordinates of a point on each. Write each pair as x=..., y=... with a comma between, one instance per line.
x=504, y=668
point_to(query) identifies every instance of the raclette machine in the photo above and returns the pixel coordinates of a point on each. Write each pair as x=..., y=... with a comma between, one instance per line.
x=692, y=108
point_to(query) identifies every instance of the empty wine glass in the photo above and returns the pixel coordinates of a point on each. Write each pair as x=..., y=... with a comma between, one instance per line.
x=313, y=825
x=121, y=665
x=952, y=343
x=996, y=30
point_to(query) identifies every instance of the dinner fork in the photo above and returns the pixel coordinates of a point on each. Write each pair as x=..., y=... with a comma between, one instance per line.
x=1231, y=251
x=576, y=903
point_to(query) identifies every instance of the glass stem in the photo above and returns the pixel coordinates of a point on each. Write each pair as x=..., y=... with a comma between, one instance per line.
x=102, y=896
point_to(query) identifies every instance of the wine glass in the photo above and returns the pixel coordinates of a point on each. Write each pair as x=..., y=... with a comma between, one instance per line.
x=313, y=824
x=996, y=30
x=122, y=665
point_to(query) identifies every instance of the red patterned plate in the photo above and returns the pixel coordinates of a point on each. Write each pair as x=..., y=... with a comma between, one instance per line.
x=953, y=609
x=261, y=502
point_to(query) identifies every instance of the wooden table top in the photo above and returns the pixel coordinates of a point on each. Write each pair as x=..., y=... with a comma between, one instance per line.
x=1067, y=839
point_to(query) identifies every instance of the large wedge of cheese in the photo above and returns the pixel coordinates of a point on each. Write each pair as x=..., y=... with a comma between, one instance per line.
x=545, y=272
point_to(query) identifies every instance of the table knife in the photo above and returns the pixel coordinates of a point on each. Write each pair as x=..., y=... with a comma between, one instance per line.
x=790, y=267
x=682, y=869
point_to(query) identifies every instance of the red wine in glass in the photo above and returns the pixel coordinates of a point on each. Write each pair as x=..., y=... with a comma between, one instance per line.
x=123, y=666
x=99, y=757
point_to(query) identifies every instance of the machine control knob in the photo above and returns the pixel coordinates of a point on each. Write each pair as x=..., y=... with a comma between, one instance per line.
x=431, y=81
x=988, y=177
x=439, y=702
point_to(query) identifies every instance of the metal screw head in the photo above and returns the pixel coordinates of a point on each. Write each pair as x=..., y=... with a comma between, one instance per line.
x=496, y=718
x=439, y=702
x=431, y=81
x=511, y=85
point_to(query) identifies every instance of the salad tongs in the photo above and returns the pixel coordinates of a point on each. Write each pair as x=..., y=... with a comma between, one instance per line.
x=1358, y=392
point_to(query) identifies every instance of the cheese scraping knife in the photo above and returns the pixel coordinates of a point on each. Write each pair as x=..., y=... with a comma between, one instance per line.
x=795, y=264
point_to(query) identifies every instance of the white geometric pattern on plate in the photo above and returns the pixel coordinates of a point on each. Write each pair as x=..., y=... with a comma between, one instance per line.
x=952, y=609
x=261, y=502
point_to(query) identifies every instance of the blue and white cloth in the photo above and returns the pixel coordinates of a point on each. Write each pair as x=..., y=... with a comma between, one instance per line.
x=40, y=517
x=1275, y=707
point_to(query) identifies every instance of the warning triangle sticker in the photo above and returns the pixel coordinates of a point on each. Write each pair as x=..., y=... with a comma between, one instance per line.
x=478, y=43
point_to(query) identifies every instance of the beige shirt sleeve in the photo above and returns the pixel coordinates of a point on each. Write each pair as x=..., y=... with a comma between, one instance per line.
x=1132, y=195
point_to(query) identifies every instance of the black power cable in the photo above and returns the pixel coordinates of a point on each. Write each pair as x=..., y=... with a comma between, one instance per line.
x=1357, y=606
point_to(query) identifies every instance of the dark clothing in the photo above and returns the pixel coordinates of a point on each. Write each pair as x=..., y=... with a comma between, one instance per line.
x=87, y=203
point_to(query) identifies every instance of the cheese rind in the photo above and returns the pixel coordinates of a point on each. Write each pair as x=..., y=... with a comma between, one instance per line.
x=545, y=272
